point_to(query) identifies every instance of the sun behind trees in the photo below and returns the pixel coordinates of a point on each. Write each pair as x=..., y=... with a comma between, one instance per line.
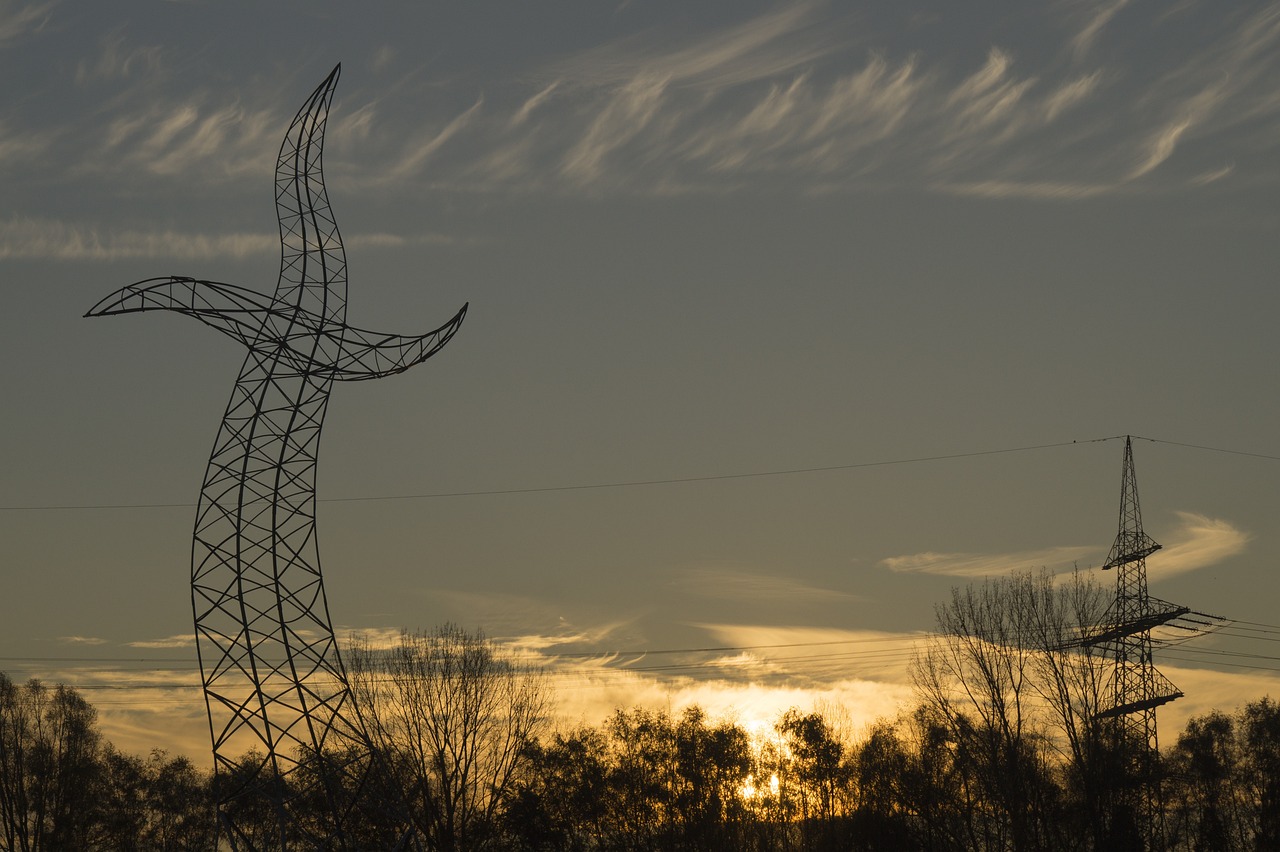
x=1002, y=752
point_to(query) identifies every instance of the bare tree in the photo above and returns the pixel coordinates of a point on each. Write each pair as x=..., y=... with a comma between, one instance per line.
x=999, y=659
x=451, y=713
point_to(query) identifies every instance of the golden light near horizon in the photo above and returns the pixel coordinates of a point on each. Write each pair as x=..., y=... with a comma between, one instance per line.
x=763, y=358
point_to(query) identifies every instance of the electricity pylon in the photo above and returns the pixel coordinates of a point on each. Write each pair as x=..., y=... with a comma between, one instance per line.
x=1137, y=688
x=274, y=683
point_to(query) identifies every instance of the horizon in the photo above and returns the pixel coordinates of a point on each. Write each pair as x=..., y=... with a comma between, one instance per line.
x=785, y=319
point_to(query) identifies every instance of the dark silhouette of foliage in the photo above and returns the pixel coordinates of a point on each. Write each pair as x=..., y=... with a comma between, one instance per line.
x=449, y=713
x=945, y=776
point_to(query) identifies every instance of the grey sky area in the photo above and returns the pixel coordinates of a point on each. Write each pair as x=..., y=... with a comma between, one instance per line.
x=698, y=240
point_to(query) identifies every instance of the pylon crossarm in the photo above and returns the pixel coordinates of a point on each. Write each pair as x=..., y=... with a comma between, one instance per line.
x=370, y=355
x=1137, y=706
x=1135, y=626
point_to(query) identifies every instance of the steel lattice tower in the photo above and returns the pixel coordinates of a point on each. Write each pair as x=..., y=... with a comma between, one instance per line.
x=1137, y=688
x=273, y=679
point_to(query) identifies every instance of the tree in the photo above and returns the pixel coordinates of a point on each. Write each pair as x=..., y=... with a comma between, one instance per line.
x=817, y=778
x=451, y=714
x=49, y=749
x=156, y=803
x=1258, y=732
x=711, y=762
x=561, y=802
x=881, y=766
x=1204, y=765
x=1021, y=691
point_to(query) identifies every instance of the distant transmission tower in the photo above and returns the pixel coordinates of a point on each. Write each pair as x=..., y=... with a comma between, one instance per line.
x=1137, y=689
x=273, y=680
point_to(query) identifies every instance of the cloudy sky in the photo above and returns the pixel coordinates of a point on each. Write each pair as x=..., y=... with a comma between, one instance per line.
x=784, y=319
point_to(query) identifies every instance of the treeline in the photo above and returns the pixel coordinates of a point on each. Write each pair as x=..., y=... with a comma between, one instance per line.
x=987, y=763
x=64, y=787
x=646, y=781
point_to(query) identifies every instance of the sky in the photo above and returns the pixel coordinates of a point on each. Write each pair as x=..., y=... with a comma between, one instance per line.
x=785, y=319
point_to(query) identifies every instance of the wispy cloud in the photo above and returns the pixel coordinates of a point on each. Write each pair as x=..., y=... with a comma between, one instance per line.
x=1098, y=16
x=82, y=640
x=419, y=152
x=1026, y=189
x=182, y=640
x=760, y=48
x=808, y=96
x=18, y=18
x=1205, y=178
x=18, y=148
x=1206, y=690
x=49, y=239
x=200, y=138
x=117, y=59
x=527, y=108
x=22, y=238
x=1229, y=82
x=1069, y=94
x=863, y=672
x=1199, y=542
x=990, y=564
x=621, y=120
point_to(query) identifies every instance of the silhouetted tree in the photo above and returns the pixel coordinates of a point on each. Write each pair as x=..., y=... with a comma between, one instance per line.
x=1259, y=731
x=561, y=800
x=156, y=803
x=1205, y=761
x=881, y=767
x=49, y=767
x=711, y=763
x=979, y=678
x=451, y=713
x=817, y=779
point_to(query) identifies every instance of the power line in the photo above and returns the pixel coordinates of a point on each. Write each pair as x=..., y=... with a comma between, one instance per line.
x=635, y=483
x=1209, y=449
x=175, y=663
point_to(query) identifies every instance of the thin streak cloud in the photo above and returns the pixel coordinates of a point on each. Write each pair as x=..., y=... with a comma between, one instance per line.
x=413, y=159
x=182, y=640
x=1100, y=16
x=746, y=52
x=989, y=564
x=82, y=640
x=19, y=18
x=48, y=239
x=1200, y=542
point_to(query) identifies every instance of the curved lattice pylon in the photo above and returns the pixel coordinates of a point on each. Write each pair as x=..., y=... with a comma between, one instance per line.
x=274, y=683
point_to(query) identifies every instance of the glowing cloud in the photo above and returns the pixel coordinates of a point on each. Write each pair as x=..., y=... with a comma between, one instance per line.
x=1200, y=541
x=82, y=640
x=179, y=641
x=989, y=564
x=53, y=240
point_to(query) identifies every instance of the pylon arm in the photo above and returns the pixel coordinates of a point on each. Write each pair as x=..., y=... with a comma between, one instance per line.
x=1126, y=552
x=370, y=355
x=1135, y=706
x=246, y=316
x=1137, y=625
x=237, y=312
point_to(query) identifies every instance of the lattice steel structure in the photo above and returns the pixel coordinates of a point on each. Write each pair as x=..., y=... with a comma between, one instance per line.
x=273, y=679
x=1137, y=688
